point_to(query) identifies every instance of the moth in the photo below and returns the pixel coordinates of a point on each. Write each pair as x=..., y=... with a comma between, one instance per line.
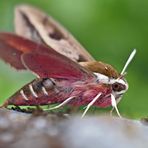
x=66, y=73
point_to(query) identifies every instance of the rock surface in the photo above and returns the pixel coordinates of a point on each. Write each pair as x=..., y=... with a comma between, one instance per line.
x=21, y=130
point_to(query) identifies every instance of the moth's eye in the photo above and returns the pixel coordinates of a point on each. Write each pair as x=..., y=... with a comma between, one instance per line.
x=118, y=87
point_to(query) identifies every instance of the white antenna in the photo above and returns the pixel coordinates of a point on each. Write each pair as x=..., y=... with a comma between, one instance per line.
x=128, y=61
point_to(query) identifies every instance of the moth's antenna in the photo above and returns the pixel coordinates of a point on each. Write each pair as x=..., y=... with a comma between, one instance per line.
x=128, y=61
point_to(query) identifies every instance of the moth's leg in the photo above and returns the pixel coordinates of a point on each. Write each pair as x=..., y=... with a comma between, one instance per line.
x=114, y=105
x=62, y=104
x=5, y=104
x=90, y=104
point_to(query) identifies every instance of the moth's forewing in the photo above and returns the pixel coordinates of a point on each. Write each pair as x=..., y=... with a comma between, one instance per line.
x=34, y=24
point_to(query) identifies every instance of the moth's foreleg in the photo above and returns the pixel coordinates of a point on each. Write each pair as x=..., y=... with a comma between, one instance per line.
x=90, y=104
x=114, y=105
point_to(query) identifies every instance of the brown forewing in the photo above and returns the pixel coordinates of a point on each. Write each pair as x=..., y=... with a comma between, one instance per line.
x=34, y=24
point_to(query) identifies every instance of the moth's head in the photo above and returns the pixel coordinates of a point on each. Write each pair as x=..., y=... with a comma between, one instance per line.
x=116, y=81
x=118, y=85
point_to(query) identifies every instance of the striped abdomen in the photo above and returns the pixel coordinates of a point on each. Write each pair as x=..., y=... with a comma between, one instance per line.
x=38, y=92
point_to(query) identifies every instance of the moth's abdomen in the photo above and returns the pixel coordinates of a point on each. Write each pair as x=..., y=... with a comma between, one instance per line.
x=38, y=92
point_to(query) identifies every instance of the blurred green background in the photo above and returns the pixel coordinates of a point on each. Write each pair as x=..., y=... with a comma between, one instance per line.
x=108, y=29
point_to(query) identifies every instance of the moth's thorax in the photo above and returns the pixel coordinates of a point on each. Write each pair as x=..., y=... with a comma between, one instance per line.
x=101, y=67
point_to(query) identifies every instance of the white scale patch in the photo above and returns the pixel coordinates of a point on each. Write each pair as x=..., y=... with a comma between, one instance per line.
x=23, y=95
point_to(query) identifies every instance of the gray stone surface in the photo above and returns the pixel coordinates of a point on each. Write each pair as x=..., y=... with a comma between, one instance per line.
x=21, y=130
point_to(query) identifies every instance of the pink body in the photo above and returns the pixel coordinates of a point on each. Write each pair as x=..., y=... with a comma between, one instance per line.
x=84, y=93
